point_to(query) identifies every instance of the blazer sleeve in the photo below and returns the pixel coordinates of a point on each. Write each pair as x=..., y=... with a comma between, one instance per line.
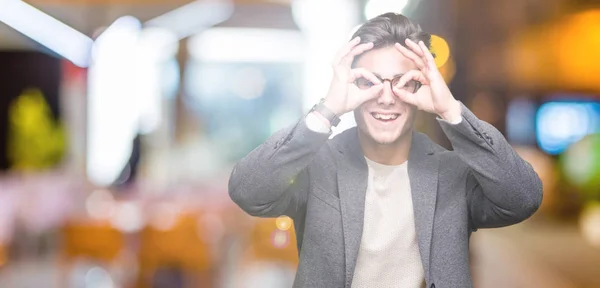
x=502, y=188
x=273, y=179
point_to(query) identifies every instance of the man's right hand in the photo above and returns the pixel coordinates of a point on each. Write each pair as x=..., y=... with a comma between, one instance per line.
x=343, y=95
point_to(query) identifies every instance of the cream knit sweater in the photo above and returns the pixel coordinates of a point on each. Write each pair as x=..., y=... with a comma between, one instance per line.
x=389, y=254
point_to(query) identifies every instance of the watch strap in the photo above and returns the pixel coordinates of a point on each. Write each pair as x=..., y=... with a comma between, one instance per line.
x=320, y=108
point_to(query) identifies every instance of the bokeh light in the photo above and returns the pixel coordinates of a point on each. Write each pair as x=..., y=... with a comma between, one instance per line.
x=448, y=70
x=100, y=204
x=441, y=49
x=559, y=124
x=589, y=223
x=280, y=239
x=283, y=223
x=581, y=165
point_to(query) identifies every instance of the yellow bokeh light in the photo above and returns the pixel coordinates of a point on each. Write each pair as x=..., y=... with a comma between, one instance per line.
x=569, y=45
x=283, y=223
x=440, y=48
x=448, y=70
x=577, y=47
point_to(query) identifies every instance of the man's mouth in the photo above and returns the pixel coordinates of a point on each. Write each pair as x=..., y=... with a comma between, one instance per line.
x=385, y=117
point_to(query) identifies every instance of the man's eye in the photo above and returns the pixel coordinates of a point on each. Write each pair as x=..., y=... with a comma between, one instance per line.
x=364, y=83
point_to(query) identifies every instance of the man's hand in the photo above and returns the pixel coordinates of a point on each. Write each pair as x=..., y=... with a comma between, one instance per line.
x=343, y=95
x=434, y=96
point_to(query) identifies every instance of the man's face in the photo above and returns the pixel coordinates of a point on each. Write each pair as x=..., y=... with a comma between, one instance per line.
x=386, y=118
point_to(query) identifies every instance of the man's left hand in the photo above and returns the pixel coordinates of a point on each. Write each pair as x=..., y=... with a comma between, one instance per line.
x=434, y=96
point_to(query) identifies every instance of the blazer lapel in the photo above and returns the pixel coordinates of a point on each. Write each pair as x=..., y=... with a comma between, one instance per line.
x=352, y=186
x=423, y=175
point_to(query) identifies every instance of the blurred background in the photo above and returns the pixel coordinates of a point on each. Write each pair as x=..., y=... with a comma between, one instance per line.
x=120, y=122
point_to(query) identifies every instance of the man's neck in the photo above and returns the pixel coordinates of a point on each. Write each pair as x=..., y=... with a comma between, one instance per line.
x=391, y=154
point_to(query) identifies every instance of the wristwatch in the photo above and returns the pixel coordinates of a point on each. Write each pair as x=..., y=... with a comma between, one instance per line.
x=320, y=108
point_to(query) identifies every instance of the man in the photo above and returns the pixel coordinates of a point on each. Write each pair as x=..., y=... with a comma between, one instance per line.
x=381, y=205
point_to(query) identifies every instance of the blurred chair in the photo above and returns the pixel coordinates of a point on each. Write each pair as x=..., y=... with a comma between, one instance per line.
x=97, y=241
x=177, y=249
x=270, y=258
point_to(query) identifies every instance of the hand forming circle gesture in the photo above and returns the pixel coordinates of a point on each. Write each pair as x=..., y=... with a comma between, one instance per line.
x=435, y=96
x=343, y=95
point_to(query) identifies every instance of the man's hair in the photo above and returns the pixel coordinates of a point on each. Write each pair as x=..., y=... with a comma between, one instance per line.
x=390, y=28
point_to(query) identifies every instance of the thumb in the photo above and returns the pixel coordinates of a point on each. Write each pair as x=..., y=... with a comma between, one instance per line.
x=406, y=96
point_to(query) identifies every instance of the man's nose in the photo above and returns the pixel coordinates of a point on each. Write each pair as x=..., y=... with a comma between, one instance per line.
x=387, y=96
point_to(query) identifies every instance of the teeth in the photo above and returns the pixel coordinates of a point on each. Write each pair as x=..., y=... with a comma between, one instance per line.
x=385, y=116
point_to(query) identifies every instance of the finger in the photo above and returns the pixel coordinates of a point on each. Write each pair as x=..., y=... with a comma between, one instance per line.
x=371, y=93
x=415, y=47
x=411, y=75
x=411, y=55
x=362, y=72
x=428, y=56
x=345, y=50
x=406, y=96
x=347, y=60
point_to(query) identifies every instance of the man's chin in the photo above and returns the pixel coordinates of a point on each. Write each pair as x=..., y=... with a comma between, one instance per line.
x=385, y=139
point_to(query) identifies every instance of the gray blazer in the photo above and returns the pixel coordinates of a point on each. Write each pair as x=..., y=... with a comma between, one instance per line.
x=321, y=185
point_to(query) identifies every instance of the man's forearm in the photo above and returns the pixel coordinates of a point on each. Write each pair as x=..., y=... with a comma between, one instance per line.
x=508, y=182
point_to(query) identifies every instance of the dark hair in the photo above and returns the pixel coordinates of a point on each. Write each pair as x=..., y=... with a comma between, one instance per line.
x=390, y=28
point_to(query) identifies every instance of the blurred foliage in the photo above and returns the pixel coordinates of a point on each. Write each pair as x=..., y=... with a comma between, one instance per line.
x=35, y=140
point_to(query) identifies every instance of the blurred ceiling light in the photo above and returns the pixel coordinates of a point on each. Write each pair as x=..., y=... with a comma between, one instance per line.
x=125, y=92
x=156, y=46
x=158, y=43
x=327, y=26
x=193, y=17
x=375, y=8
x=124, y=28
x=113, y=111
x=318, y=17
x=247, y=45
x=46, y=30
